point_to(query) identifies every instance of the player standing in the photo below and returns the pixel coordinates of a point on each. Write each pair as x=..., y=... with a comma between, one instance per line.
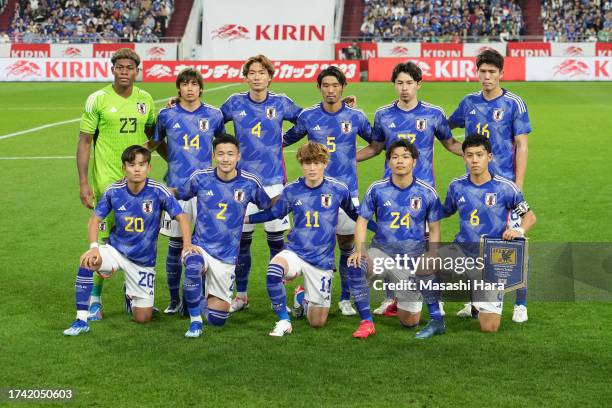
x=501, y=117
x=314, y=201
x=258, y=117
x=223, y=194
x=188, y=129
x=138, y=203
x=484, y=201
x=403, y=204
x=417, y=121
x=335, y=125
x=115, y=117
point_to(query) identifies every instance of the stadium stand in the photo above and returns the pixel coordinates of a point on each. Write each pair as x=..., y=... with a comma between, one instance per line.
x=86, y=21
x=441, y=21
x=578, y=20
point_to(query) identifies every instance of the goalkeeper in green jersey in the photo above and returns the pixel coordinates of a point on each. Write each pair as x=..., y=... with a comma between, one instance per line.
x=115, y=117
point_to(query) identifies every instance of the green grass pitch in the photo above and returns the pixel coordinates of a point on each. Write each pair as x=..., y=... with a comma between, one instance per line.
x=560, y=357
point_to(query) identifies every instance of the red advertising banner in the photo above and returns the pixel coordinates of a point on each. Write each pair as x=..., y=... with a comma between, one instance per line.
x=231, y=71
x=107, y=50
x=368, y=50
x=603, y=49
x=441, y=50
x=444, y=69
x=30, y=51
x=529, y=49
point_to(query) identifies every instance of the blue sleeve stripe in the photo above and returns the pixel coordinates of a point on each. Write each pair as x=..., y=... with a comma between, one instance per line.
x=508, y=182
x=427, y=186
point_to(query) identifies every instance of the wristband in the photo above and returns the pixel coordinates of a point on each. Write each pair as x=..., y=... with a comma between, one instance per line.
x=94, y=245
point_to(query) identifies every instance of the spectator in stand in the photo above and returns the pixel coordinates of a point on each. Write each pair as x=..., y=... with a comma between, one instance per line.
x=577, y=20
x=46, y=21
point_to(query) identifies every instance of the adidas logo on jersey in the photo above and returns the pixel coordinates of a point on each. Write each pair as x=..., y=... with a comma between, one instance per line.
x=122, y=208
x=392, y=125
x=298, y=202
x=113, y=109
x=176, y=126
x=473, y=112
x=210, y=193
x=316, y=127
x=462, y=199
x=243, y=113
x=387, y=204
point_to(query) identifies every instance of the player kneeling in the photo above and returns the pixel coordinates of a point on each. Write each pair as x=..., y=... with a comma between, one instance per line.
x=314, y=201
x=137, y=202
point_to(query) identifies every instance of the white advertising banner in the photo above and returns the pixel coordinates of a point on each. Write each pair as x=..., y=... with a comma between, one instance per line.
x=71, y=50
x=279, y=29
x=568, y=69
x=473, y=49
x=158, y=51
x=399, y=50
x=572, y=49
x=55, y=69
x=5, y=50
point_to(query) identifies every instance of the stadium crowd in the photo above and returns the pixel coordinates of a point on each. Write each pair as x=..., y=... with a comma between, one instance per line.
x=86, y=21
x=441, y=20
x=578, y=20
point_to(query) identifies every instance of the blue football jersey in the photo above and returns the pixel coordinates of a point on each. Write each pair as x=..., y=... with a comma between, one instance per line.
x=221, y=209
x=500, y=120
x=137, y=218
x=315, y=218
x=259, y=129
x=401, y=213
x=189, y=137
x=484, y=209
x=338, y=131
x=420, y=126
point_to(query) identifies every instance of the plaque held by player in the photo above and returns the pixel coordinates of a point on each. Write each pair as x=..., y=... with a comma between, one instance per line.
x=505, y=262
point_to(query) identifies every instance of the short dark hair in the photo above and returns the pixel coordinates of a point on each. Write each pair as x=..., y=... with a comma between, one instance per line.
x=475, y=140
x=125, y=53
x=331, y=71
x=189, y=74
x=414, y=152
x=129, y=154
x=409, y=68
x=491, y=57
x=225, y=138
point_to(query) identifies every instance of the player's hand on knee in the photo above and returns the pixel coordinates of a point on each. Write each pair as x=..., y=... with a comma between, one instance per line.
x=511, y=234
x=355, y=259
x=87, y=196
x=91, y=259
x=188, y=249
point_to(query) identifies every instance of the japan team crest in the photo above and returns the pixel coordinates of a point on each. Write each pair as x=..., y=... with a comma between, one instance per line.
x=147, y=206
x=326, y=200
x=421, y=124
x=271, y=112
x=141, y=107
x=490, y=199
x=346, y=127
x=498, y=114
x=102, y=226
x=416, y=203
x=239, y=195
x=203, y=124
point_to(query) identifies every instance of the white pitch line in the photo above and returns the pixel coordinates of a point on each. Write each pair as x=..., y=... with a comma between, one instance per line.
x=65, y=122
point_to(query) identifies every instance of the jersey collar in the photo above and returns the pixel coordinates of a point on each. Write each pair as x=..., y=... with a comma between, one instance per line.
x=418, y=105
x=228, y=181
x=255, y=102
x=303, y=182
x=494, y=99
x=405, y=188
x=330, y=113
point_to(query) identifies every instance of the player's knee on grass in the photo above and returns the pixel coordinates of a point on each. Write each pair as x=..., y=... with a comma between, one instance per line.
x=142, y=314
x=489, y=322
x=408, y=319
x=317, y=315
x=218, y=304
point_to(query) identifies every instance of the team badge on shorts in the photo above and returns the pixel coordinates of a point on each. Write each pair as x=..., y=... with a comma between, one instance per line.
x=271, y=112
x=141, y=107
x=498, y=114
x=147, y=206
x=326, y=200
x=416, y=203
x=203, y=125
x=421, y=124
x=346, y=127
x=490, y=199
x=239, y=195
